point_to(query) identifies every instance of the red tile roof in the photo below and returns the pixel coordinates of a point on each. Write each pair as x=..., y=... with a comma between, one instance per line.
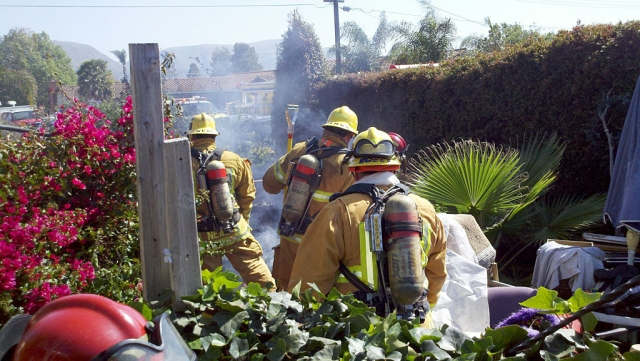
x=221, y=83
x=196, y=85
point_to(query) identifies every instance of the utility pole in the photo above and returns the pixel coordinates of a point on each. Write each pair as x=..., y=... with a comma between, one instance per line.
x=337, y=29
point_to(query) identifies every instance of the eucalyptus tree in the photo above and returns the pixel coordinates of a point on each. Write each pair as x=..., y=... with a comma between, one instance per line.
x=30, y=57
x=430, y=41
x=95, y=80
x=220, y=61
x=17, y=85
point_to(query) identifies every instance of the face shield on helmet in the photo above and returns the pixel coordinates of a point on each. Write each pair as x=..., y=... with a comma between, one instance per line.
x=372, y=150
x=91, y=327
x=342, y=118
x=203, y=123
x=166, y=344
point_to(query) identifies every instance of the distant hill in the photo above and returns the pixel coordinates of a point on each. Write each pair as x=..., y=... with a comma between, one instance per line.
x=80, y=53
x=185, y=55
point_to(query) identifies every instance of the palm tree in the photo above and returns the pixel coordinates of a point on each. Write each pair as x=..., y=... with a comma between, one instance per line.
x=503, y=189
x=122, y=58
x=361, y=53
x=428, y=42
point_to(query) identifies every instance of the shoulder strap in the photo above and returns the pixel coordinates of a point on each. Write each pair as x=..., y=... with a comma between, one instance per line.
x=366, y=188
x=351, y=277
x=203, y=158
x=313, y=147
x=329, y=151
x=395, y=189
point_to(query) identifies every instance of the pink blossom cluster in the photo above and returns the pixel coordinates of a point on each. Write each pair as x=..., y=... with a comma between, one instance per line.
x=60, y=195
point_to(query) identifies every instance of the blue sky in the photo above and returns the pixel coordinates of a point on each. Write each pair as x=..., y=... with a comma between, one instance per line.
x=110, y=25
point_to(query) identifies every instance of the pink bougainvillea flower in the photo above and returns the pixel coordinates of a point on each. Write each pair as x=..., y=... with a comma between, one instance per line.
x=78, y=183
x=50, y=232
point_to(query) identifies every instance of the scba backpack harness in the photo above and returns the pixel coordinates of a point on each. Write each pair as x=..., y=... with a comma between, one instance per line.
x=303, y=180
x=211, y=176
x=394, y=245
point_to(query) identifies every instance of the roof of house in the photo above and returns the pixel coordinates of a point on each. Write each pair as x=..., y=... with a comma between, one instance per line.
x=220, y=83
x=196, y=85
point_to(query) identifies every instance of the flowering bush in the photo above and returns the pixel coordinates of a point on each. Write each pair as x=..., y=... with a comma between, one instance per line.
x=68, y=218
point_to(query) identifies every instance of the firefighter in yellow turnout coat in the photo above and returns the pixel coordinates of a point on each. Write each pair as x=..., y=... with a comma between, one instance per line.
x=336, y=235
x=245, y=253
x=340, y=127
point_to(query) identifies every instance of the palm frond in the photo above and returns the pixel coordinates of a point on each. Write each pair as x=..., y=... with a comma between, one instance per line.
x=475, y=178
x=562, y=217
x=540, y=156
x=382, y=34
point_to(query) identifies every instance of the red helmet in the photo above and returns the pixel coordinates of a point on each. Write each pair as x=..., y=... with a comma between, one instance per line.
x=398, y=141
x=92, y=327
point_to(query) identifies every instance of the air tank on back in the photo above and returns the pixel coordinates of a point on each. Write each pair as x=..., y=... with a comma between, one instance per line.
x=299, y=191
x=404, y=254
x=219, y=193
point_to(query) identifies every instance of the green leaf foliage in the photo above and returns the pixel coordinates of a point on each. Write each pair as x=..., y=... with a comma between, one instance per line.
x=474, y=177
x=546, y=85
x=249, y=323
x=244, y=58
x=504, y=188
x=95, y=80
x=28, y=62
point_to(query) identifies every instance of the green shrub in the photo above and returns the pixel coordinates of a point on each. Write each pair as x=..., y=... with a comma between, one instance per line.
x=68, y=215
x=538, y=86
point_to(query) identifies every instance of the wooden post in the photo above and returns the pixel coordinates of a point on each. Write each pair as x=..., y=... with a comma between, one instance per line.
x=149, y=137
x=169, y=253
x=186, y=278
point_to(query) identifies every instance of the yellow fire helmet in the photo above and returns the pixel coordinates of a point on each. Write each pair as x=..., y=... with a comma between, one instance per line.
x=373, y=148
x=343, y=118
x=203, y=123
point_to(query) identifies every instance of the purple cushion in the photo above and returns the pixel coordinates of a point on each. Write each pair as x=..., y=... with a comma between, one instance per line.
x=503, y=301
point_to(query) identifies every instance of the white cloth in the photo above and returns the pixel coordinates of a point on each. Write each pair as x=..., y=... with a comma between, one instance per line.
x=463, y=301
x=457, y=239
x=555, y=262
x=380, y=179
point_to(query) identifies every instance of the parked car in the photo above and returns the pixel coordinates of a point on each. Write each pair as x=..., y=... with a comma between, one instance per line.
x=20, y=117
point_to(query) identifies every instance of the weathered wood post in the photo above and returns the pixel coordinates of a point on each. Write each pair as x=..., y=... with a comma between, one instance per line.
x=186, y=277
x=169, y=255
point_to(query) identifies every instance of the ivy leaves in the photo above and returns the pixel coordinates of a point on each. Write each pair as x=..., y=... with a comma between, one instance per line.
x=226, y=321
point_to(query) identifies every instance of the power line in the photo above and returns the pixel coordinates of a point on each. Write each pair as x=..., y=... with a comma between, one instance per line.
x=416, y=15
x=473, y=21
x=585, y=4
x=160, y=6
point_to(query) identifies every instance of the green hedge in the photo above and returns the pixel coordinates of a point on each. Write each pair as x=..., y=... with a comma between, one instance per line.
x=546, y=86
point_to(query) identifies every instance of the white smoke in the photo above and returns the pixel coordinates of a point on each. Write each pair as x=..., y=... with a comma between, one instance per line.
x=267, y=208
